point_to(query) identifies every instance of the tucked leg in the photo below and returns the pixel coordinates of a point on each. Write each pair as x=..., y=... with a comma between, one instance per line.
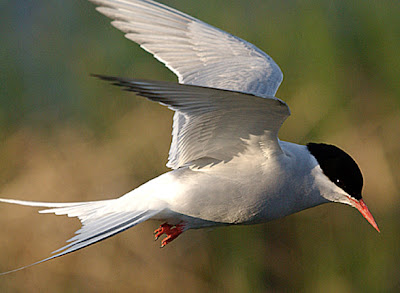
x=171, y=231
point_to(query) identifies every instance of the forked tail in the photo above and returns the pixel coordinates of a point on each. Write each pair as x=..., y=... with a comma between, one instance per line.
x=100, y=220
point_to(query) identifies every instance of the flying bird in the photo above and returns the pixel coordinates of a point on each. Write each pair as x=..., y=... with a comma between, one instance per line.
x=228, y=165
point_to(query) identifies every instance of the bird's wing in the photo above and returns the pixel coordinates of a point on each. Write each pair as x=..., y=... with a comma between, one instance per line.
x=217, y=122
x=198, y=53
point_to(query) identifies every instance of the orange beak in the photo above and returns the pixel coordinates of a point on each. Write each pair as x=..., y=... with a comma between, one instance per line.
x=363, y=209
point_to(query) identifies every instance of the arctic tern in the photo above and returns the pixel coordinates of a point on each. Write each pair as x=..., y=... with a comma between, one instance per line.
x=228, y=165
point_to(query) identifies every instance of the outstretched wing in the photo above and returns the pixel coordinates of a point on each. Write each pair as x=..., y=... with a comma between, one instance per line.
x=198, y=53
x=217, y=122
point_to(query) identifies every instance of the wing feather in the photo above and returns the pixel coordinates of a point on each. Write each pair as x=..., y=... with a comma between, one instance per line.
x=198, y=53
x=216, y=122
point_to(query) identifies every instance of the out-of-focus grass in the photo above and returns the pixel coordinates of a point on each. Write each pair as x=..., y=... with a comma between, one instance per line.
x=68, y=137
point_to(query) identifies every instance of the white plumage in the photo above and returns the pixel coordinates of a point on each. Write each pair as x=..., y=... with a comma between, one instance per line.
x=198, y=53
x=228, y=165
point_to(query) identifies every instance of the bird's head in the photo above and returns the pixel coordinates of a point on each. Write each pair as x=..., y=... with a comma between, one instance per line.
x=339, y=178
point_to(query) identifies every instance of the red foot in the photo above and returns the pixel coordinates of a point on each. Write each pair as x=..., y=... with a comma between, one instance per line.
x=171, y=231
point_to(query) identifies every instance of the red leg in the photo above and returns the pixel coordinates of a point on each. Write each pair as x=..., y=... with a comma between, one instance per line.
x=163, y=229
x=171, y=231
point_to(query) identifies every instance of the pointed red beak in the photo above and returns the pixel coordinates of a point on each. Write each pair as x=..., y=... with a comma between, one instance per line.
x=363, y=209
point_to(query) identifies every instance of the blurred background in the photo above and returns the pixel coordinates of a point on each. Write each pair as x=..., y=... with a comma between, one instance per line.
x=65, y=136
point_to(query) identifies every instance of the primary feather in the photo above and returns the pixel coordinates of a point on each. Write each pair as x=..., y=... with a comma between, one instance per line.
x=217, y=121
x=198, y=53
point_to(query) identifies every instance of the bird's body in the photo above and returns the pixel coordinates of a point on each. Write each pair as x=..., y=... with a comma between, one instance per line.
x=242, y=191
x=228, y=165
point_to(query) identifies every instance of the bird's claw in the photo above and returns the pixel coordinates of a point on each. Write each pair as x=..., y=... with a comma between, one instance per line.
x=172, y=232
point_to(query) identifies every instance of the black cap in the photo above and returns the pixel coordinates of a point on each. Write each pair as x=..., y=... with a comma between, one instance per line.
x=339, y=167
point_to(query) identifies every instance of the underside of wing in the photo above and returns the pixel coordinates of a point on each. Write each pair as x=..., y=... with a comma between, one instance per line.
x=217, y=122
x=198, y=53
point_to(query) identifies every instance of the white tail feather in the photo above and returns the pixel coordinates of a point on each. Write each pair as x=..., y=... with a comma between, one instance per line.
x=100, y=220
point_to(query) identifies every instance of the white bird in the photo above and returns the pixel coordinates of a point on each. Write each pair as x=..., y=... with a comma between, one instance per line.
x=229, y=167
